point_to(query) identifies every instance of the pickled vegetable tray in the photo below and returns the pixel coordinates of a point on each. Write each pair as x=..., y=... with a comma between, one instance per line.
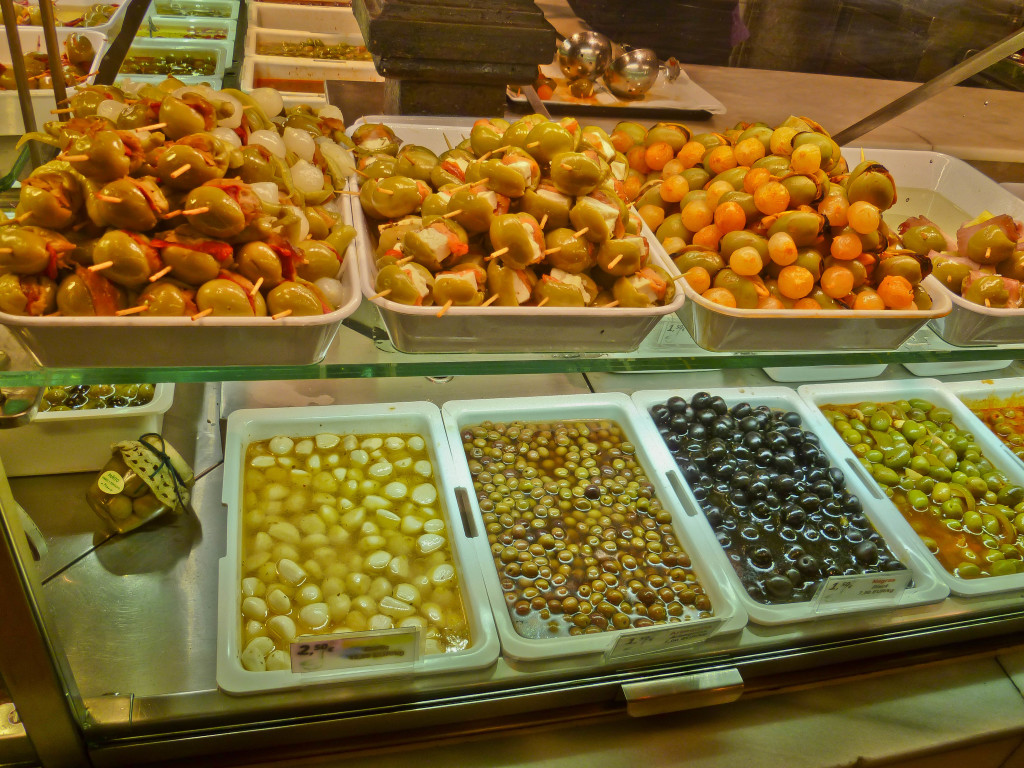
x=590, y=647
x=680, y=98
x=935, y=393
x=422, y=419
x=925, y=587
x=498, y=328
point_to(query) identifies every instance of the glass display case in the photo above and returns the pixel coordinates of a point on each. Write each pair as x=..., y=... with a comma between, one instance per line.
x=109, y=644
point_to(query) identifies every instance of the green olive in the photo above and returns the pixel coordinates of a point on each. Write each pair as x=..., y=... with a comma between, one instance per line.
x=519, y=238
x=397, y=196
x=486, y=135
x=165, y=299
x=259, y=260
x=513, y=287
x=901, y=265
x=515, y=135
x=990, y=245
x=321, y=260
x=416, y=162
x=375, y=138
x=183, y=116
x=129, y=203
x=672, y=226
x=988, y=290
x=299, y=298
x=229, y=299
x=740, y=287
x=742, y=238
x=391, y=237
x=674, y=134
x=411, y=284
x=872, y=183
x=26, y=250
x=600, y=214
x=575, y=173
x=33, y=295
x=1013, y=267
x=574, y=254
x=223, y=217
x=133, y=258
x=79, y=49
x=473, y=208
x=950, y=272
x=923, y=239
x=105, y=156
x=460, y=287
x=205, y=155
x=546, y=200
x=435, y=243
x=49, y=198
x=451, y=168
x=699, y=256
x=803, y=226
x=627, y=254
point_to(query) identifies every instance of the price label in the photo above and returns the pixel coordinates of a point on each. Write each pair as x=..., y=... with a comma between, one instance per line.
x=357, y=649
x=662, y=638
x=865, y=587
x=110, y=482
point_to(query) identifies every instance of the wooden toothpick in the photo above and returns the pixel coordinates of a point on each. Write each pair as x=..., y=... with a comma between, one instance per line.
x=491, y=300
x=132, y=310
x=549, y=251
x=281, y=314
x=452, y=214
x=101, y=266
x=445, y=308
x=153, y=127
x=580, y=232
x=613, y=262
x=157, y=275
x=499, y=252
x=543, y=301
x=381, y=294
x=543, y=220
x=204, y=313
x=194, y=211
x=256, y=286
x=179, y=171
x=107, y=198
x=73, y=158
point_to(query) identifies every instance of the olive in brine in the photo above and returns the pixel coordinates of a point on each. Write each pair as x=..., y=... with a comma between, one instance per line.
x=321, y=260
x=229, y=299
x=299, y=299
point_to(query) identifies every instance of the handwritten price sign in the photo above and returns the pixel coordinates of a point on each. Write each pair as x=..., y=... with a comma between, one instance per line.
x=662, y=638
x=887, y=587
x=357, y=649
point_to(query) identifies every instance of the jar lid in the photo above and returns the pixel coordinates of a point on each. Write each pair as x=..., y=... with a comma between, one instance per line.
x=161, y=467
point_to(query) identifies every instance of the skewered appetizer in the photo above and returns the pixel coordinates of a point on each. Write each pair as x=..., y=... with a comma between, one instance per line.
x=770, y=218
x=524, y=214
x=75, y=61
x=180, y=201
x=984, y=263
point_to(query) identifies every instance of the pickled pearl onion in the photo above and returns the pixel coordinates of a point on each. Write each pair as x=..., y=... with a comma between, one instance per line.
x=266, y=191
x=110, y=109
x=227, y=135
x=307, y=178
x=332, y=291
x=269, y=139
x=269, y=100
x=300, y=142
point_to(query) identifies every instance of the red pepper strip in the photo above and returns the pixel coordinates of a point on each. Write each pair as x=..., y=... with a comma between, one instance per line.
x=288, y=257
x=245, y=285
x=104, y=294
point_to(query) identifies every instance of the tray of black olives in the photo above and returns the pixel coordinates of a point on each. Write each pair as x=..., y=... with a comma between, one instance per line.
x=789, y=518
x=583, y=548
x=923, y=454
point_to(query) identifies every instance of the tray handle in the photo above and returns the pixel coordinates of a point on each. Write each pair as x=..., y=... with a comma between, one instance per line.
x=465, y=512
x=676, y=482
x=865, y=478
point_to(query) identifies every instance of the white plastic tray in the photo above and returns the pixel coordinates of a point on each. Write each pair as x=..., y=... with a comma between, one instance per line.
x=732, y=330
x=303, y=18
x=813, y=372
x=926, y=587
x=208, y=9
x=956, y=185
x=969, y=392
x=424, y=419
x=617, y=407
x=269, y=71
x=956, y=367
x=345, y=69
x=180, y=341
x=43, y=101
x=494, y=328
x=59, y=442
x=226, y=26
x=149, y=45
x=938, y=394
x=74, y=10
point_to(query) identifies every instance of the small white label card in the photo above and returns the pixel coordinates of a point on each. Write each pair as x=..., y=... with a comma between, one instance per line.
x=887, y=586
x=661, y=638
x=357, y=649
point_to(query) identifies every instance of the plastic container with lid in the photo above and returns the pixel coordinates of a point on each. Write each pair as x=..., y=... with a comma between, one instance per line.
x=605, y=648
x=423, y=419
x=320, y=18
x=926, y=586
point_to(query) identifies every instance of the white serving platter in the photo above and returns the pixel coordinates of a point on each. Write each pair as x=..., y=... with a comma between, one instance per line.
x=586, y=649
x=938, y=394
x=424, y=419
x=495, y=328
x=926, y=586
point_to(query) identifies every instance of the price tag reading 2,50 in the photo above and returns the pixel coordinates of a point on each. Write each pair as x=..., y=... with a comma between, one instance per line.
x=662, y=638
x=357, y=649
x=886, y=586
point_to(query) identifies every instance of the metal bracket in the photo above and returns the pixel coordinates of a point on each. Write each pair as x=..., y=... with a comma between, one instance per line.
x=111, y=709
x=674, y=694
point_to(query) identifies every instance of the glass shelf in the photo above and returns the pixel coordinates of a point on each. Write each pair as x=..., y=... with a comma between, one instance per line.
x=362, y=349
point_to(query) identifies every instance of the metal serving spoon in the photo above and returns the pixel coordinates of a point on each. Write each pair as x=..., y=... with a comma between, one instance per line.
x=584, y=54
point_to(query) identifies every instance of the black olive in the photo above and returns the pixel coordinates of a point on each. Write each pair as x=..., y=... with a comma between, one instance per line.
x=764, y=457
x=761, y=557
x=795, y=517
x=740, y=410
x=758, y=488
x=784, y=463
x=791, y=418
x=748, y=424
x=738, y=497
x=690, y=472
x=808, y=565
x=706, y=417
x=784, y=484
x=700, y=400
x=760, y=510
x=809, y=501
x=661, y=414
x=794, y=576
x=779, y=587
x=866, y=552
x=721, y=429
x=680, y=423
x=726, y=469
x=676, y=404
x=592, y=492
x=718, y=405
x=822, y=489
x=777, y=441
x=714, y=516
x=697, y=431
x=717, y=450
x=753, y=441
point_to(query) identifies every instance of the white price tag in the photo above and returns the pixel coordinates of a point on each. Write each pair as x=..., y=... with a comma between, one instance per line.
x=357, y=649
x=887, y=586
x=662, y=638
